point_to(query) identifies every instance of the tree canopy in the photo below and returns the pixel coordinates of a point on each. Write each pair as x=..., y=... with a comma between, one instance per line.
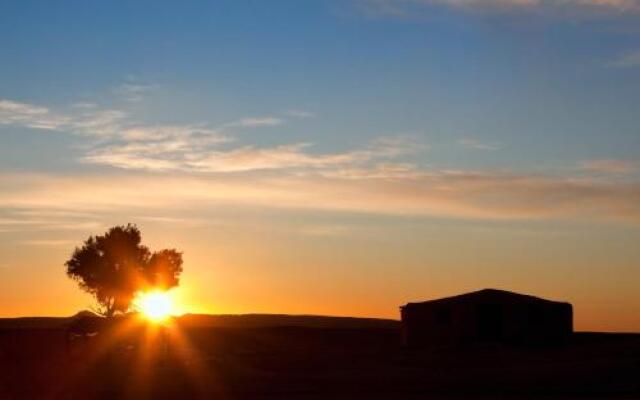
x=115, y=266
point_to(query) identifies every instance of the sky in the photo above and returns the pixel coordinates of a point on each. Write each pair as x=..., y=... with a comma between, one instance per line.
x=337, y=157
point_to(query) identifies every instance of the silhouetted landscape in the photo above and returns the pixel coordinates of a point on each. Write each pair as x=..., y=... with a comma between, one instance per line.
x=487, y=343
x=306, y=357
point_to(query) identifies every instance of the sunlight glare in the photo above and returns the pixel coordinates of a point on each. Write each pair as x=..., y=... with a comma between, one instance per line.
x=155, y=306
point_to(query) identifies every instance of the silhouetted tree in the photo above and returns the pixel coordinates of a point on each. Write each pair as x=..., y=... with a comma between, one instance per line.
x=114, y=266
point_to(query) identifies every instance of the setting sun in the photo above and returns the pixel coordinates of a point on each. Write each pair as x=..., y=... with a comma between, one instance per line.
x=155, y=305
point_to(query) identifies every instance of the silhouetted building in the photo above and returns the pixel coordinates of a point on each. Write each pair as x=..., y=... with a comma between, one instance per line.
x=487, y=315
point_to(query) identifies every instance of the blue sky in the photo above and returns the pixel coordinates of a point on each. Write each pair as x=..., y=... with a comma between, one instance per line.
x=327, y=119
x=543, y=88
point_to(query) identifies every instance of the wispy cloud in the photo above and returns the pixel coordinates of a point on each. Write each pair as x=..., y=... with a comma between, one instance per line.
x=84, y=105
x=404, y=8
x=255, y=122
x=48, y=243
x=17, y=219
x=118, y=142
x=29, y=115
x=610, y=166
x=630, y=59
x=89, y=121
x=470, y=143
x=453, y=194
x=97, y=123
x=189, y=222
x=250, y=158
x=176, y=153
x=195, y=135
x=300, y=114
x=134, y=92
x=384, y=170
x=325, y=230
x=209, y=168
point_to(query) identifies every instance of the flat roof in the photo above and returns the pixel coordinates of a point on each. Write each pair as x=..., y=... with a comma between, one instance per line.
x=484, y=293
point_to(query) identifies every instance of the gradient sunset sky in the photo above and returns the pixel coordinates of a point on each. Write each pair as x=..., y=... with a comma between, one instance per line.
x=327, y=157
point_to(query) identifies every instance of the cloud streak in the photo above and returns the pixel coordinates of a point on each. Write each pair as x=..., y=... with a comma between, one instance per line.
x=255, y=122
x=29, y=115
x=300, y=114
x=117, y=142
x=610, y=166
x=134, y=92
x=89, y=121
x=474, y=144
x=208, y=168
x=630, y=59
x=403, y=8
x=178, y=154
x=452, y=194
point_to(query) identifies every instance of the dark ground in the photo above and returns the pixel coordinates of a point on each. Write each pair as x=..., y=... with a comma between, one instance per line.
x=277, y=357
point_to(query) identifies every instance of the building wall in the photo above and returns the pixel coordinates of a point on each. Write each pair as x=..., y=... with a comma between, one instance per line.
x=526, y=322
